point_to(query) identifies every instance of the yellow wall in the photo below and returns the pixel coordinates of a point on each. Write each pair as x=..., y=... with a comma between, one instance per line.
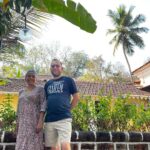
x=14, y=98
x=138, y=101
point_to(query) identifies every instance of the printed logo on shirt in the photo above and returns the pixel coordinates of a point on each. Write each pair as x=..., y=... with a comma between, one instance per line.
x=56, y=87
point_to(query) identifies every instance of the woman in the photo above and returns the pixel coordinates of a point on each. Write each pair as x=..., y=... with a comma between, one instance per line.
x=30, y=114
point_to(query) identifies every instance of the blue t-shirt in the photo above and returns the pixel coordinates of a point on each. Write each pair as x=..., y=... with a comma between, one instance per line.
x=58, y=94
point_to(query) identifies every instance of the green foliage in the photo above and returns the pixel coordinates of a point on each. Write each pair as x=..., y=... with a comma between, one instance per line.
x=18, y=75
x=12, y=53
x=122, y=114
x=108, y=114
x=4, y=81
x=83, y=114
x=26, y=4
x=103, y=113
x=71, y=11
x=143, y=118
x=11, y=71
x=7, y=114
x=5, y=22
x=75, y=64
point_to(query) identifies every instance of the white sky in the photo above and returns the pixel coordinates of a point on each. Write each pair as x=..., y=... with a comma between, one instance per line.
x=98, y=43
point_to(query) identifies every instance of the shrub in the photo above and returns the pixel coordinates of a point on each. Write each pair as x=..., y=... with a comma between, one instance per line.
x=7, y=114
x=108, y=114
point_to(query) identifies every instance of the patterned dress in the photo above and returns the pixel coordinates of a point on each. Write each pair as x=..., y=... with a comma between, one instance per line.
x=30, y=105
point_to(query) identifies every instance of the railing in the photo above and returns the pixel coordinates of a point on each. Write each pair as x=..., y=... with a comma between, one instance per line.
x=93, y=141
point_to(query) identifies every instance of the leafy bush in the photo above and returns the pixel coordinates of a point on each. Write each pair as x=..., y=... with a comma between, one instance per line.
x=83, y=115
x=7, y=114
x=108, y=114
x=4, y=81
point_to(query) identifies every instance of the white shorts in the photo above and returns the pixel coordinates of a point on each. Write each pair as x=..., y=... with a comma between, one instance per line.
x=57, y=132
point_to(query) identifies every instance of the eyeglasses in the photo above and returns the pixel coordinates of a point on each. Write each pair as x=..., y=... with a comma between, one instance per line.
x=53, y=66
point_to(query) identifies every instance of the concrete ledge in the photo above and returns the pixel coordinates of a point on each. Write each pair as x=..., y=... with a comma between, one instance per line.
x=110, y=136
x=81, y=136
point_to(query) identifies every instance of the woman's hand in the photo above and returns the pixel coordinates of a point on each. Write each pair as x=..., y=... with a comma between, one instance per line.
x=39, y=126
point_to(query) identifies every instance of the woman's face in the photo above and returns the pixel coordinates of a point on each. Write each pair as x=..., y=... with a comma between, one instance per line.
x=30, y=79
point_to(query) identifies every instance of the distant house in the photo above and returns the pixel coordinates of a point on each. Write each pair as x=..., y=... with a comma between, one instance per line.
x=89, y=88
x=143, y=75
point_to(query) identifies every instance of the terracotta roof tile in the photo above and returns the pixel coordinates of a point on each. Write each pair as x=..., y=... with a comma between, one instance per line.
x=85, y=88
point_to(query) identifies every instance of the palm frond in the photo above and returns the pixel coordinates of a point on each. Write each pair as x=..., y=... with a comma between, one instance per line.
x=117, y=43
x=36, y=21
x=139, y=30
x=128, y=17
x=111, y=31
x=114, y=16
x=114, y=39
x=137, y=40
x=137, y=20
x=128, y=46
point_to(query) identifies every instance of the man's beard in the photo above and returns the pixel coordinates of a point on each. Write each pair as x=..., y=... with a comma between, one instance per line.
x=55, y=75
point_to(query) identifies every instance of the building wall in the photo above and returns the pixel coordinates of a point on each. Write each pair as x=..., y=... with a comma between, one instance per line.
x=14, y=98
x=12, y=95
x=144, y=75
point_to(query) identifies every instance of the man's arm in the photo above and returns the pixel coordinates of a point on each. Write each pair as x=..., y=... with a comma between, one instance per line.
x=75, y=100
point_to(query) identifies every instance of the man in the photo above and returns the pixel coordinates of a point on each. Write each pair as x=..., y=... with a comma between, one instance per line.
x=59, y=104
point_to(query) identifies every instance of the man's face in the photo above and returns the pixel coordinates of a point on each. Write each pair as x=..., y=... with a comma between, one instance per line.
x=56, y=68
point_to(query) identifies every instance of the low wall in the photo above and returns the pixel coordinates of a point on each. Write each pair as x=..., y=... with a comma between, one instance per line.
x=93, y=140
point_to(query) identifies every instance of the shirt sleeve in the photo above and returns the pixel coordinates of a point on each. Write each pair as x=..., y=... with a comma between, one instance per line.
x=73, y=87
x=42, y=100
x=45, y=89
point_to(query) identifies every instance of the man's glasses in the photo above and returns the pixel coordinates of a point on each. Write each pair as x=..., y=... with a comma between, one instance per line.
x=53, y=66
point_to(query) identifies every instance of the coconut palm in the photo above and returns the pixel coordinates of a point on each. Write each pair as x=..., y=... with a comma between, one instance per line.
x=126, y=31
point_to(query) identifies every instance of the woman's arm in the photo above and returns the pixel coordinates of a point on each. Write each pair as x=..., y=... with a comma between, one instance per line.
x=39, y=126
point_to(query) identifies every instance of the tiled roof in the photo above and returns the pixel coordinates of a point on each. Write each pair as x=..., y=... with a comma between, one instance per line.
x=85, y=88
x=91, y=88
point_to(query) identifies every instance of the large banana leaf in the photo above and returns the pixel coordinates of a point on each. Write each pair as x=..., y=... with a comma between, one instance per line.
x=69, y=10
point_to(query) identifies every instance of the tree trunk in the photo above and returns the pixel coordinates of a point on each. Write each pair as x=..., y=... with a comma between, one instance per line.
x=129, y=67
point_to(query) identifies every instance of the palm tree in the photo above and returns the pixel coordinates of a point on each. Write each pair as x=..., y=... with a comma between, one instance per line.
x=126, y=31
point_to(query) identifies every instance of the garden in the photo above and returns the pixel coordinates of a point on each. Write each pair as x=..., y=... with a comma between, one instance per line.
x=92, y=114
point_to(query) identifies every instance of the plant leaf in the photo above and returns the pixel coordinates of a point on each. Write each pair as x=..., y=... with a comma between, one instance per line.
x=73, y=12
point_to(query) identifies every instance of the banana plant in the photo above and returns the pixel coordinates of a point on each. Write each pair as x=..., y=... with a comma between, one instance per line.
x=67, y=9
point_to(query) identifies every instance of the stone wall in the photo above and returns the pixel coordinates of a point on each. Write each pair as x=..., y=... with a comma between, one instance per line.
x=93, y=140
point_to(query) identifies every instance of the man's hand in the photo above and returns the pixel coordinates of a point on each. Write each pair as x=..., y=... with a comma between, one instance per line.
x=74, y=100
